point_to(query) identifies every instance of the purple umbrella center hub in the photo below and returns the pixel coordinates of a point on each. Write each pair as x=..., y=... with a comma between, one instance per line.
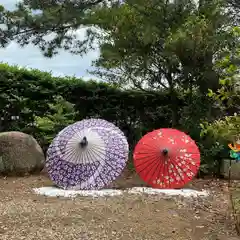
x=84, y=142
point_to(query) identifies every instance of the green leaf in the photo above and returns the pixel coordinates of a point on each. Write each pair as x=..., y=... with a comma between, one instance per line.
x=210, y=93
x=222, y=81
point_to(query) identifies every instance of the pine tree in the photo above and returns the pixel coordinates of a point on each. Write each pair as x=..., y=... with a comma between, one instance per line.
x=49, y=24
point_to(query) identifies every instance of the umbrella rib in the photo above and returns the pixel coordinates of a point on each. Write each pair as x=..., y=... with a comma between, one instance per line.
x=164, y=168
x=103, y=160
x=68, y=150
x=144, y=153
x=93, y=151
x=153, y=144
x=148, y=157
x=160, y=163
x=169, y=183
x=82, y=159
x=110, y=166
x=150, y=161
x=78, y=154
x=149, y=179
x=98, y=146
x=118, y=154
x=99, y=175
x=68, y=153
x=107, y=164
x=98, y=150
x=85, y=156
x=150, y=164
x=92, y=171
x=161, y=168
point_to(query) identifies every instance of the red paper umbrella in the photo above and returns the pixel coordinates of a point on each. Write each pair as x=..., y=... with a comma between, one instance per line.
x=166, y=158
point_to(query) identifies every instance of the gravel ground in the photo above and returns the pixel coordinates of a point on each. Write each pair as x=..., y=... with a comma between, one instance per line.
x=25, y=215
x=235, y=190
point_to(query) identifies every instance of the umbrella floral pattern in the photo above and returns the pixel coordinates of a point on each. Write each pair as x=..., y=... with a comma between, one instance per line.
x=86, y=155
x=166, y=158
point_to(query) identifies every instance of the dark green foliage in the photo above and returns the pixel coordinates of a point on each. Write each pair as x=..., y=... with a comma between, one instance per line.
x=31, y=94
x=23, y=94
x=44, y=105
x=61, y=114
x=34, y=20
x=168, y=51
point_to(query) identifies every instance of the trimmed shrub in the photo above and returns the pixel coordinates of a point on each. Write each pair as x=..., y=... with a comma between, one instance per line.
x=39, y=104
x=29, y=94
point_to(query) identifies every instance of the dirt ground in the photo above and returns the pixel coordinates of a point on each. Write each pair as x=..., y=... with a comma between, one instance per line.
x=235, y=199
x=24, y=215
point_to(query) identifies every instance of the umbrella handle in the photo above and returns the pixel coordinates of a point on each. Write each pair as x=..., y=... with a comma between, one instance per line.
x=84, y=142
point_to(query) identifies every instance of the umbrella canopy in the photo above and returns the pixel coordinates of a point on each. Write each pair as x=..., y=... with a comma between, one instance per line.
x=87, y=155
x=166, y=158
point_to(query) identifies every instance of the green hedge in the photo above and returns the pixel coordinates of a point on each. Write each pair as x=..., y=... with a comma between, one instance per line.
x=27, y=93
x=30, y=94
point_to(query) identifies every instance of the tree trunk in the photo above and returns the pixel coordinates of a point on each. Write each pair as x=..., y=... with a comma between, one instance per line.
x=174, y=108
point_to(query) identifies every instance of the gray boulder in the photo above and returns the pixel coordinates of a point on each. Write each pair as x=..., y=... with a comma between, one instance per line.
x=20, y=154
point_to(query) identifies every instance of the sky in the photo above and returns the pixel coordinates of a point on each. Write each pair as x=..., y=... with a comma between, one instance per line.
x=63, y=64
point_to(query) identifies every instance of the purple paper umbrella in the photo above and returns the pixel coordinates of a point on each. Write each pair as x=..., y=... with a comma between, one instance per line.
x=87, y=155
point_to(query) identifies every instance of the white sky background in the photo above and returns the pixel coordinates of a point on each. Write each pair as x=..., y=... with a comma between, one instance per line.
x=60, y=65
